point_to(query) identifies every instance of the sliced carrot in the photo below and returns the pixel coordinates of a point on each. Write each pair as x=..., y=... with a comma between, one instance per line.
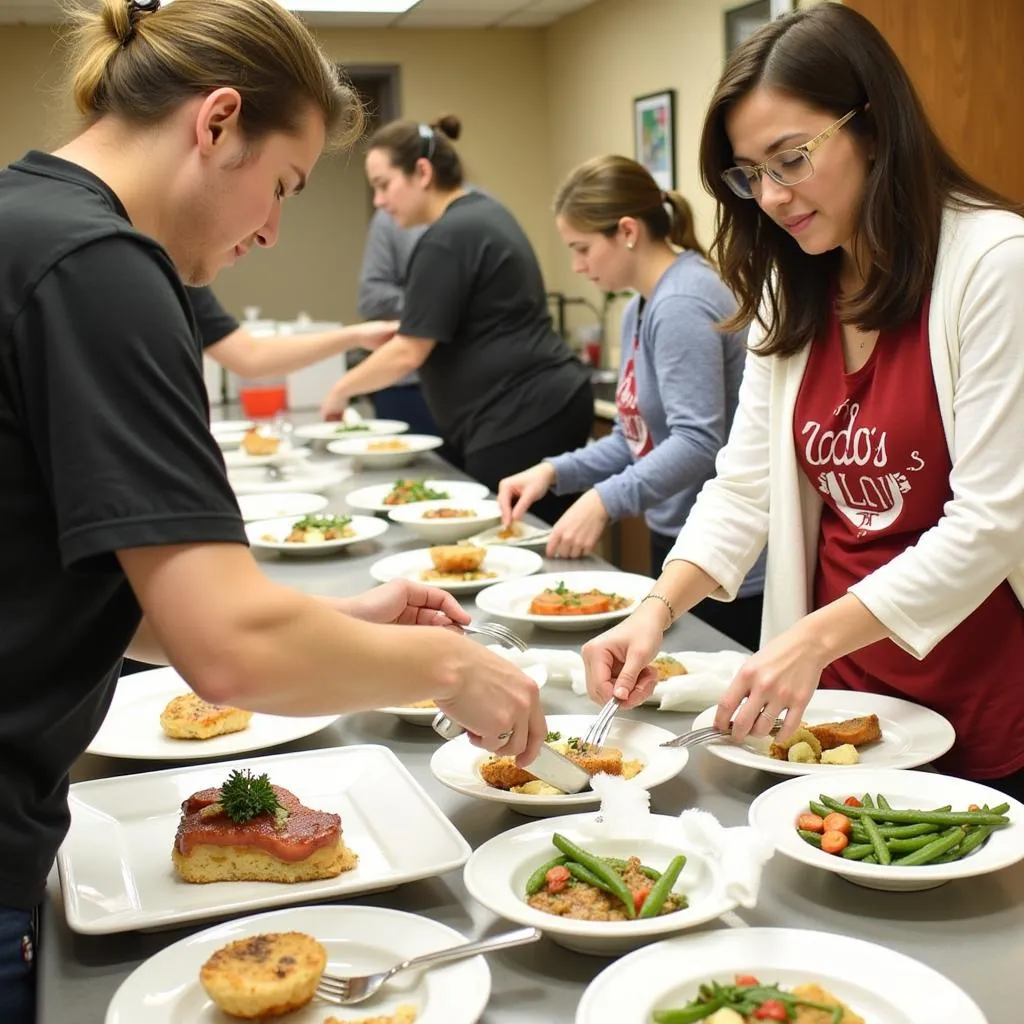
x=834, y=842
x=810, y=822
x=836, y=822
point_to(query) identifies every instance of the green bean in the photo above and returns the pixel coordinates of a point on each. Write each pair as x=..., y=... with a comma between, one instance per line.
x=870, y=859
x=688, y=1014
x=896, y=831
x=819, y=809
x=1001, y=809
x=598, y=867
x=536, y=881
x=936, y=848
x=814, y=838
x=581, y=874
x=618, y=862
x=662, y=888
x=915, y=816
x=881, y=851
x=855, y=851
x=975, y=838
x=867, y=801
x=909, y=845
x=883, y=804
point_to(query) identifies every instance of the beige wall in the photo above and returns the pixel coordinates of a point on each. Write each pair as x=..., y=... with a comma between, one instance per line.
x=493, y=80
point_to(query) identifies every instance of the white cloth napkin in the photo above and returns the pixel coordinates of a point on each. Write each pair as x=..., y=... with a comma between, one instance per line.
x=564, y=668
x=351, y=417
x=708, y=675
x=741, y=852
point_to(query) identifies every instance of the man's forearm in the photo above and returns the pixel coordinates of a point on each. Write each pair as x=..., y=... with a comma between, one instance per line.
x=382, y=368
x=264, y=357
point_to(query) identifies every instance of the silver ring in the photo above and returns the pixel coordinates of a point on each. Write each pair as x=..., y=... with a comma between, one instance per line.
x=505, y=736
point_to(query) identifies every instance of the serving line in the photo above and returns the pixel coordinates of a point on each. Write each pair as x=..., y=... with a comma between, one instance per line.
x=968, y=930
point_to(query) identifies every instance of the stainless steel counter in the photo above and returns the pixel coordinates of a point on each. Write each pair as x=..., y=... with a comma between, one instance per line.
x=972, y=930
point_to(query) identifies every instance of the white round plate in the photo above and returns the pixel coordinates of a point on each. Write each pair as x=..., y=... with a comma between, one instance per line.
x=278, y=506
x=357, y=447
x=241, y=459
x=525, y=535
x=496, y=875
x=221, y=427
x=315, y=477
x=165, y=989
x=371, y=499
x=511, y=601
x=230, y=439
x=337, y=431
x=507, y=564
x=775, y=811
x=457, y=763
x=911, y=735
x=446, y=531
x=132, y=726
x=876, y=982
x=366, y=527
x=424, y=716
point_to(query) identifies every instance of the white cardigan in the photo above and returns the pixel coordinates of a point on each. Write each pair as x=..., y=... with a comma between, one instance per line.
x=976, y=338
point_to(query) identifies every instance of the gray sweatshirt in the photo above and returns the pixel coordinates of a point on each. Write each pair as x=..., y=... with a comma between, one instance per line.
x=687, y=380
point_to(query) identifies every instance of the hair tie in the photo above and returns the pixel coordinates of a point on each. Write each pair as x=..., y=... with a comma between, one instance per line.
x=428, y=141
x=136, y=9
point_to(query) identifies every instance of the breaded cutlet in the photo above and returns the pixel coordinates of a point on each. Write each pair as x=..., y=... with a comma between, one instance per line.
x=504, y=773
x=856, y=731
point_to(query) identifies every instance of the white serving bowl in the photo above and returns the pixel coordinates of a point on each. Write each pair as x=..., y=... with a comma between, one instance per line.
x=371, y=499
x=364, y=527
x=280, y=506
x=511, y=601
x=358, y=448
x=496, y=875
x=775, y=811
x=446, y=531
x=457, y=764
x=505, y=563
x=335, y=431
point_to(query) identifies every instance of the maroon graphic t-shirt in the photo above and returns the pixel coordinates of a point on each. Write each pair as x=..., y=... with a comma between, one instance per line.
x=873, y=445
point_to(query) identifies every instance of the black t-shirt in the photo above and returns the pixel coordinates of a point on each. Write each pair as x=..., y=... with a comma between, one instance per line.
x=498, y=369
x=213, y=321
x=104, y=445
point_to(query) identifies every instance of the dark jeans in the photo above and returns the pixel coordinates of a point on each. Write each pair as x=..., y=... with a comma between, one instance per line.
x=18, y=948
x=740, y=619
x=404, y=402
x=568, y=430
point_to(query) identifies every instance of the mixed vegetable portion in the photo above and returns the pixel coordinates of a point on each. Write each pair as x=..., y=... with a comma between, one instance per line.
x=870, y=830
x=750, y=1000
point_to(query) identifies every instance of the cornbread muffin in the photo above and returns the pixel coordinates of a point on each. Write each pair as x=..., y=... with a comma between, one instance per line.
x=255, y=443
x=666, y=667
x=189, y=717
x=456, y=558
x=296, y=844
x=265, y=975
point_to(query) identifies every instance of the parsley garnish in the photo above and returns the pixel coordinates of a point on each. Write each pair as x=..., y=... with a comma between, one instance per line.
x=245, y=796
x=552, y=737
x=321, y=522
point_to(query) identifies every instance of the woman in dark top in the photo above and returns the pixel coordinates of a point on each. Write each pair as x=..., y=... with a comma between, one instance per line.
x=504, y=388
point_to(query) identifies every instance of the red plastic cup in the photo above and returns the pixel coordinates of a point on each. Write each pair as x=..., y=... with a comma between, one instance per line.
x=261, y=401
x=592, y=353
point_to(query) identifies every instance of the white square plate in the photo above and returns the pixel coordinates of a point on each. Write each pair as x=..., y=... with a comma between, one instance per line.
x=115, y=864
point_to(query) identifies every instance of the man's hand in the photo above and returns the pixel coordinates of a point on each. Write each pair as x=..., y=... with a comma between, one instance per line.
x=403, y=603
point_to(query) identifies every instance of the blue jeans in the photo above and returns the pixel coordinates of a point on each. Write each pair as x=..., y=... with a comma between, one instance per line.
x=17, y=966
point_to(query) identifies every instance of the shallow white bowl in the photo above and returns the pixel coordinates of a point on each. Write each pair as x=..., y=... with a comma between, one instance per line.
x=775, y=811
x=356, y=447
x=457, y=764
x=365, y=527
x=878, y=983
x=496, y=875
x=280, y=506
x=358, y=940
x=912, y=735
x=506, y=563
x=241, y=459
x=446, y=531
x=511, y=601
x=340, y=431
x=371, y=499
x=424, y=716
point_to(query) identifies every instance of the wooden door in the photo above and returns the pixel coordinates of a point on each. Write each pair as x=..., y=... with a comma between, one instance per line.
x=965, y=61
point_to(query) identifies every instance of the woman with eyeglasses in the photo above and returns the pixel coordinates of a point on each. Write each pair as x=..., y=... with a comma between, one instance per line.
x=504, y=388
x=678, y=382
x=877, y=441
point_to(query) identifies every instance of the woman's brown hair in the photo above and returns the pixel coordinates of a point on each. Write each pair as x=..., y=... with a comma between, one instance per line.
x=134, y=60
x=600, y=192
x=833, y=59
x=406, y=142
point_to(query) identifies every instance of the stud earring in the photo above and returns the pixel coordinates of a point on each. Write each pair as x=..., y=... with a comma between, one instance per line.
x=629, y=246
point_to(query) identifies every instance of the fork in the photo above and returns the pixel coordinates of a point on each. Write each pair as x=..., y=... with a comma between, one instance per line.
x=345, y=991
x=695, y=737
x=495, y=631
x=598, y=732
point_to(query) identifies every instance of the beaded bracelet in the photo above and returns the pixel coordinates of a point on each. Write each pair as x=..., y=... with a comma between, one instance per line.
x=665, y=601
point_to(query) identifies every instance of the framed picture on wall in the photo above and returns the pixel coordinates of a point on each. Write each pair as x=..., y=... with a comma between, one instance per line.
x=654, y=132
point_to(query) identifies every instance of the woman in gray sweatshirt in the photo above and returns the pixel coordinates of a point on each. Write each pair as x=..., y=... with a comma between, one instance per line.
x=678, y=381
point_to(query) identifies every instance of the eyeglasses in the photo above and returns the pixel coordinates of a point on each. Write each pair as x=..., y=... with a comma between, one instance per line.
x=787, y=167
